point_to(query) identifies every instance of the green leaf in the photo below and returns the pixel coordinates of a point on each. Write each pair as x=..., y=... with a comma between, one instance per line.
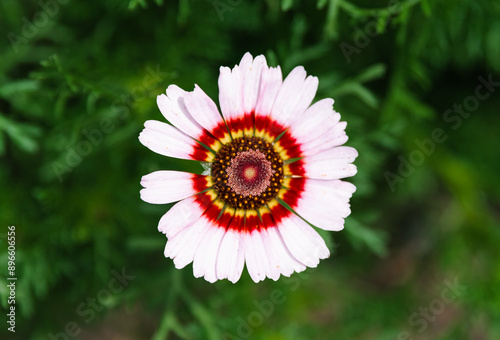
x=23, y=135
x=133, y=4
x=286, y=5
x=362, y=236
x=426, y=7
x=331, y=19
x=358, y=90
x=14, y=87
x=321, y=4
x=2, y=144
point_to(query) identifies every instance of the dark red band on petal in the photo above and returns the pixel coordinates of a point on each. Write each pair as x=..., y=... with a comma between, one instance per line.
x=260, y=122
x=226, y=218
x=249, y=121
x=204, y=200
x=200, y=153
x=293, y=194
x=200, y=182
x=220, y=131
x=207, y=138
x=212, y=213
x=274, y=128
x=246, y=122
x=270, y=126
x=267, y=220
x=252, y=222
x=279, y=212
x=237, y=223
x=235, y=124
x=296, y=168
x=289, y=143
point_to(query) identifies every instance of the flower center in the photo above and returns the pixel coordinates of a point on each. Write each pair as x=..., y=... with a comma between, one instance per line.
x=250, y=172
x=247, y=173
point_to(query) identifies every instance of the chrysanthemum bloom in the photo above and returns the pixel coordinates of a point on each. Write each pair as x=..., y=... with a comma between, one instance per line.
x=269, y=151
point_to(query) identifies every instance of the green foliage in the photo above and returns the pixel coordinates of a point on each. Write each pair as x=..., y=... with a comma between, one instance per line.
x=78, y=80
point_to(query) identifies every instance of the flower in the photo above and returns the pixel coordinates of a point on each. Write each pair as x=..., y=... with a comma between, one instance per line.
x=270, y=152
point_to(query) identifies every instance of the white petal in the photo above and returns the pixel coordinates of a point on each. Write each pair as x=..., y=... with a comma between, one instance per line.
x=294, y=96
x=305, y=244
x=202, y=108
x=182, y=247
x=325, y=204
x=164, y=186
x=251, y=82
x=336, y=136
x=174, y=109
x=342, y=153
x=166, y=140
x=331, y=164
x=231, y=92
x=245, y=61
x=180, y=216
x=318, y=119
x=255, y=256
x=205, y=258
x=270, y=84
x=231, y=257
x=239, y=87
x=280, y=258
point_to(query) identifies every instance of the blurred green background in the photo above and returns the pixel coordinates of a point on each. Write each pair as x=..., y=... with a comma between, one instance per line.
x=417, y=82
